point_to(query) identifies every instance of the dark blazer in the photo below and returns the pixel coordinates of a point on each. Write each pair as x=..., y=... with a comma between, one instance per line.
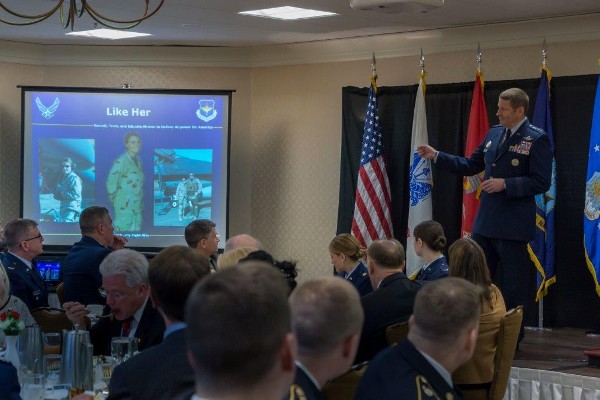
x=303, y=388
x=149, y=332
x=360, y=280
x=158, y=373
x=25, y=283
x=436, y=270
x=9, y=383
x=401, y=372
x=81, y=274
x=525, y=162
x=392, y=302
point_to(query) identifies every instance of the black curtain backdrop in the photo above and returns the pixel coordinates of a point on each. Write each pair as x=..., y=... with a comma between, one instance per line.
x=572, y=300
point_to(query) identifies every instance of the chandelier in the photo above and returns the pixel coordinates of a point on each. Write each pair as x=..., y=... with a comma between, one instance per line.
x=67, y=17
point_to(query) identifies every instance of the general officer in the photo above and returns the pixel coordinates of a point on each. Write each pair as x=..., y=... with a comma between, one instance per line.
x=517, y=160
x=124, y=185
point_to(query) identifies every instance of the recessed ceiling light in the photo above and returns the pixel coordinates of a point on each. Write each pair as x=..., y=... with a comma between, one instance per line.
x=111, y=34
x=287, y=13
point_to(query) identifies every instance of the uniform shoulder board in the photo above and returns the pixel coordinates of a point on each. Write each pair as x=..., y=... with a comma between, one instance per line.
x=496, y=126
x=296, y=393
x=424, y=389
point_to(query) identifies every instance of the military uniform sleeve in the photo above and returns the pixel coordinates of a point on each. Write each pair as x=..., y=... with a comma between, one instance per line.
x=463, y=165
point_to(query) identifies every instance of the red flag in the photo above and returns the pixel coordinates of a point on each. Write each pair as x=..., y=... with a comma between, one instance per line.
x=478, y=127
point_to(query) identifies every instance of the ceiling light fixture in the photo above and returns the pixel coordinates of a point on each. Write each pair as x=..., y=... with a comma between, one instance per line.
x=110, y=34
x=287, y=13
x=75, y=10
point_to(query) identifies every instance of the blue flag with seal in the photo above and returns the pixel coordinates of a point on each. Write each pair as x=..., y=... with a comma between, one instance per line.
x=541, y=250
x=591, y=212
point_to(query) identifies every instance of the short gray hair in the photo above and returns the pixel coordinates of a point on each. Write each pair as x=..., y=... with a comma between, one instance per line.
x=16, y=231
x=129, y=263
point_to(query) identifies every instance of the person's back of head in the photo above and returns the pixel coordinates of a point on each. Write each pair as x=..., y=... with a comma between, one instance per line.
x=172, y=274
x=346, y=244
x=229, y=258
x=239, y=333
x=287, y=267
x=467, y=260
x=445, y=317
x=327, y=318
x=432, y=234
x=242, y=240
x=386, y=254
x=91, y=217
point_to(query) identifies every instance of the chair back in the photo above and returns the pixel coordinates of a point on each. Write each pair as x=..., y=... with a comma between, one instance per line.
x=396, y=332
x=51, y=319
x=60, y=293
x=344, y=386
x=510, y=325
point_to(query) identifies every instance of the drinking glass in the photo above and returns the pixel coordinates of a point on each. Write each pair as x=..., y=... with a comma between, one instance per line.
x=121, y=349
x=52, y=343
x=52, y=368
x=33, y=387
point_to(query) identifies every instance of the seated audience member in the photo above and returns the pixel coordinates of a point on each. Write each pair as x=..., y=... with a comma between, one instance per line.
x=9, y=382
x=81, y=274
x=467, y=261
x=393, y=298
x=243, y=240
x=9, y=302
x=163, y=371
x=346, y=256
x=442, y=336
x=229, y=258
x=201, y=235
x=24, y=241
x=125, y=285
x=429, y=244
x=287, y=268
x=239, y=334
x=326, y=319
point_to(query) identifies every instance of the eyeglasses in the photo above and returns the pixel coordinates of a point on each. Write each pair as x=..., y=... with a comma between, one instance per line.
x=114, y=294
x=66, y=165
x=218, y=237
x=35, y=237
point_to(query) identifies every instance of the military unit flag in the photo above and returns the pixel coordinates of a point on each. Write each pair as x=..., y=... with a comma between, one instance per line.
x=591, y=213
x=419, y=179
x=372, y=217
x=479, y=124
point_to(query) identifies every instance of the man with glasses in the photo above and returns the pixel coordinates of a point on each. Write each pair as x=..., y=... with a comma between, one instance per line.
x=81, y=276
x=202, y=236
x=24, y=242
x=130, y=312
x=68, y=191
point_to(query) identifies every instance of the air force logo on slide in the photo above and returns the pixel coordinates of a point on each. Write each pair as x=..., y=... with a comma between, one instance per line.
x=206, y=110
x=47, y=112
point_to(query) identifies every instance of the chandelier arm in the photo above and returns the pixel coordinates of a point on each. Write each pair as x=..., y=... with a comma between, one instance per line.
x=24, y=23
x=96, y=15
x=107, y=25
x=38, y=18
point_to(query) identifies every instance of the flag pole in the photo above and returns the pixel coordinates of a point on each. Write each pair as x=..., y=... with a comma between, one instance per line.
x=544, y=55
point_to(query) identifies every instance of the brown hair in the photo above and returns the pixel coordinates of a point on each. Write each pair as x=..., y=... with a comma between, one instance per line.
x=432, y=234
x=348, y=245
x=467, y=261
x=516, y=97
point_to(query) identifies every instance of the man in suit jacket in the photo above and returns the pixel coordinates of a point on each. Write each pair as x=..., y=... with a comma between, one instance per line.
x=517, y=159
x=326, y=319
x=24, y=242
x=125, y=285
x=163, y=371
x=391, y=301
x=442, y=336
x=81, y=274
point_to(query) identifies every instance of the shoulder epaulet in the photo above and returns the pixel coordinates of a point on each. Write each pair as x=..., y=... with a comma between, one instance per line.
x=496, y=126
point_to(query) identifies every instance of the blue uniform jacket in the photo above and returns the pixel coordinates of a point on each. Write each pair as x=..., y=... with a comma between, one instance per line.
x=9, y=383
x=525, y=162
x=360, y=280
x=25, y=283
x=436, y=270
x=303, y=388
x=401, y=372
x=81, y=273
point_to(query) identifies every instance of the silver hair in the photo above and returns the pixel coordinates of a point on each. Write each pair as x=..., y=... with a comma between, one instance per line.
x=129, y=263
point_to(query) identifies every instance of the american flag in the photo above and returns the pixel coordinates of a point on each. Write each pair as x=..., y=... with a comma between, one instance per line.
x=372, y=219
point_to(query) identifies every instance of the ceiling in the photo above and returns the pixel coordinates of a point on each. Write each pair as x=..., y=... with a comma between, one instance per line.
x=215, y=23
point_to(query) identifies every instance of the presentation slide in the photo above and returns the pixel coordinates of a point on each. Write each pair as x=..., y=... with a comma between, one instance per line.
x=156, y=159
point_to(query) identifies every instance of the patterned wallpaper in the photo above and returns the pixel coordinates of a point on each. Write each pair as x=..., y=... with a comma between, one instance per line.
x=286, y=130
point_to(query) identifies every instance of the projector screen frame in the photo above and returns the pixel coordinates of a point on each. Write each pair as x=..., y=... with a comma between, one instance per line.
x=226, y=99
